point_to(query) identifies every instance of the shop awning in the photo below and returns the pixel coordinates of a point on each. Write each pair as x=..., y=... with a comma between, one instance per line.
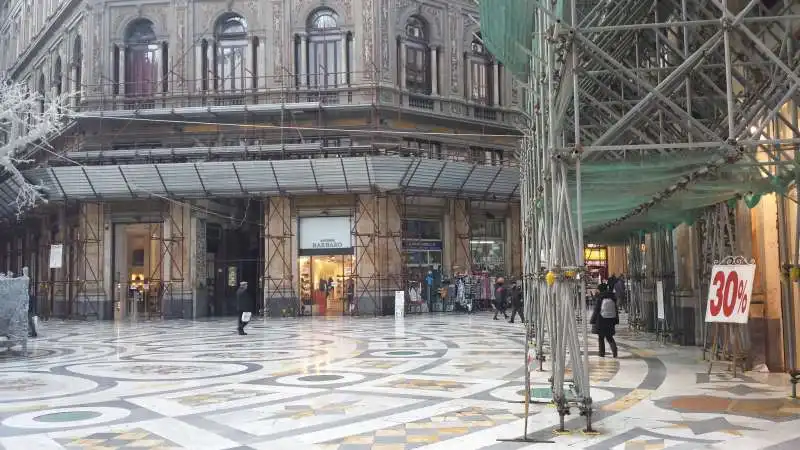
x=8, y=198
x=391, y=174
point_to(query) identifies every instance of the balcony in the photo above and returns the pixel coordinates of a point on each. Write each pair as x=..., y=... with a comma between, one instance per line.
x=191, y=94
x=189, y=98
x=452, y=107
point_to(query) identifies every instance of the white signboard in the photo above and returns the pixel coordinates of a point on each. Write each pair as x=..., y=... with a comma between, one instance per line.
x=399, y=304
x=56, y=255
x=325, y=233
x=729, y=293
x=660, y=300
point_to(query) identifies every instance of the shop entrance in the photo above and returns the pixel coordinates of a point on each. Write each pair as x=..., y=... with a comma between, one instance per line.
x=326, y=285
x=137, y=266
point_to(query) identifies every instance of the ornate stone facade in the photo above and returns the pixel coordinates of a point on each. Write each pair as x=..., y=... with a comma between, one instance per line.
x=375, y=24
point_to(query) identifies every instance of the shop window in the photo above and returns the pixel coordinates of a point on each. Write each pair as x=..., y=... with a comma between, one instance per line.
x=423, y=229
x=417, y=258
x=488, y=228
x=487, y=246
x=489, y=256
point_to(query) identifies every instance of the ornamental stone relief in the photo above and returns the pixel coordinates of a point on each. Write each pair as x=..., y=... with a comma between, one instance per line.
x=277, y=24
x=454, y=51
x=434, y=14
x=179, y=64
x=206, y=18
x=120, y=17
x=386, y=63
x=158, y=15
x=369, y=31
x=94, y=23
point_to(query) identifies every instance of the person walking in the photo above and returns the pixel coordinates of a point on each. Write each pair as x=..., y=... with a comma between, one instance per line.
x=619, y=292
x=244, y=305
x=500, y=298
x=517, y=302
x=605, y=319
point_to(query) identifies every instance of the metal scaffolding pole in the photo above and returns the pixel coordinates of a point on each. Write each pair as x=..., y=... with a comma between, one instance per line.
x=610, y=81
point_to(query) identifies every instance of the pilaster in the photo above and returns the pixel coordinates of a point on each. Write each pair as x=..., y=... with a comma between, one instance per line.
x=280, y=254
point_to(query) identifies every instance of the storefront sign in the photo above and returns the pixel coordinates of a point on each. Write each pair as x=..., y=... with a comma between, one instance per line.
x=729, y=293
x=325, y=235
x=328, y=243
x=56, y=255
x=422, y=245
x=399, y=304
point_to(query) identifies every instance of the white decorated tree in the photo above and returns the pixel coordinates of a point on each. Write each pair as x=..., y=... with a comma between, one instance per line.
x=28, y=120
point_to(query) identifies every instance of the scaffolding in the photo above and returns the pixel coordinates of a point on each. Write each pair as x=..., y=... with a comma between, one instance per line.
x=380, y=259
x=279, y=288
x=642, y=115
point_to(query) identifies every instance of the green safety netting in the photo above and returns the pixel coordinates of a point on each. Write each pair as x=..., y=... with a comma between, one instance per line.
x=613, y=189
x=507, y=30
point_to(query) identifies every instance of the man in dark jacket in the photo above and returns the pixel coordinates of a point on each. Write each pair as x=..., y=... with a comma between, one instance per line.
x=605, y=319
x=244, y=306
x=500, y=298
x=517, y=302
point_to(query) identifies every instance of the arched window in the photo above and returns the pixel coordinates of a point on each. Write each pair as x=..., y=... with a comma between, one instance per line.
x=231, y=43
x=326, y=61
x=58, y=85
x=142, y=59
x=416, y=59
x=480, y=72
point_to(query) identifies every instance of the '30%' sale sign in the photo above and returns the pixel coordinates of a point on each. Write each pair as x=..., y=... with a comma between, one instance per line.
x=729, y=293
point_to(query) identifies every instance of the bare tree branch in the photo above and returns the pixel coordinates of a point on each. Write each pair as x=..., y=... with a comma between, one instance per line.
x=28, y=120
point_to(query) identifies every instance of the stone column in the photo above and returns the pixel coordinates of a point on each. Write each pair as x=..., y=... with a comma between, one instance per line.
x=378, y=246
x=262, y=63
x=280, y=257
x=343, y=70
x=766, y=310
x=495, y=84
x=121, y=70
x=459, y=242
x=686, y=294
x=617, y=260
x=91, y=294
x=76, y=84
x=303, y=63
x=198, y=67
x=468, y=78
x=434, y=71
x=247, y=62
x=163, y=64
x=513, y=242
x=403, y=63
x=176, y=261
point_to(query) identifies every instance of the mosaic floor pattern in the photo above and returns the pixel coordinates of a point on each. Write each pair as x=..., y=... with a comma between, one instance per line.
x=433, y=382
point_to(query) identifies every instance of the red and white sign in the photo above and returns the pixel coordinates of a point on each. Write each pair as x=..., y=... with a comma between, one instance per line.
x=729, y=294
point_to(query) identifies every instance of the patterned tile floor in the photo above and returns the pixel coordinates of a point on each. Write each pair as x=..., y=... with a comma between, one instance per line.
x=426, y=382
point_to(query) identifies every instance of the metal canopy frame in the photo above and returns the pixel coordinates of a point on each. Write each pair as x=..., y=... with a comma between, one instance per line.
x=660, y=78
x=354, y=175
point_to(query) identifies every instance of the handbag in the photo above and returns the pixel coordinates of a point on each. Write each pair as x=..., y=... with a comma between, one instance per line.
x=246, y=316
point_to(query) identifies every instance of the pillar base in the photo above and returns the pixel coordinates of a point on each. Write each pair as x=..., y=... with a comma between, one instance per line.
x=283, y=307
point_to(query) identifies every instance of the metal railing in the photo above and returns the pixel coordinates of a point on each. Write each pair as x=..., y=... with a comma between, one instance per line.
x=256, y=90
x=273, y=152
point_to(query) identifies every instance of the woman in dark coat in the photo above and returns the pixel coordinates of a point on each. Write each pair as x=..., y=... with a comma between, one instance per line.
x=605, y=319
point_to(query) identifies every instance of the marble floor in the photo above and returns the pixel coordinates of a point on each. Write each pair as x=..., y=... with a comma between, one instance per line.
x=425, y=382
